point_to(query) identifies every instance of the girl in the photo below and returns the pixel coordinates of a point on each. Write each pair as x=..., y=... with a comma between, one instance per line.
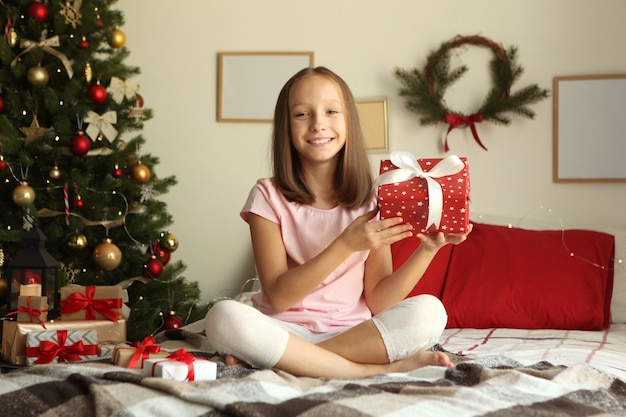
x=329, y=305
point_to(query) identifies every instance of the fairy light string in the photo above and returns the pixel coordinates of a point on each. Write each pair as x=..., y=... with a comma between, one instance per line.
x=618, y=261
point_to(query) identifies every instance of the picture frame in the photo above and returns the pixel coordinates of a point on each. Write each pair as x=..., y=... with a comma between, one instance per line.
x=249, y=82
x=373, y=118
x=589, y=143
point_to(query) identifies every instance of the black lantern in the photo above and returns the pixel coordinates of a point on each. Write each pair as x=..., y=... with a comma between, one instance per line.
x=31, y=267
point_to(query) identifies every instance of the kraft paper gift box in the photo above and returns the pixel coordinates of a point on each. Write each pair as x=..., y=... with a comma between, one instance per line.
x=91, y=302
x=181, y=366
x=430, y=193
x=14, y=334
x=57, y=346
x=32, y=309
x=135, y=355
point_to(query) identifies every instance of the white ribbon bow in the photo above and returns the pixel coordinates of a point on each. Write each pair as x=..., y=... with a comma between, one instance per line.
x=408, y=168
x=123, y=88
x=47, y=45
x=102, y=124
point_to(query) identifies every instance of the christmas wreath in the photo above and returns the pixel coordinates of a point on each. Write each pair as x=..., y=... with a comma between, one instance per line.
x=424, y=90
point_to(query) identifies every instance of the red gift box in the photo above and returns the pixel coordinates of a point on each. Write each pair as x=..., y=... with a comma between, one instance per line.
x=430, y=193
x=91, y=302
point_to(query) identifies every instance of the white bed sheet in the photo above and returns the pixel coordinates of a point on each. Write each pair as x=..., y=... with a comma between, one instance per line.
x=604, y=350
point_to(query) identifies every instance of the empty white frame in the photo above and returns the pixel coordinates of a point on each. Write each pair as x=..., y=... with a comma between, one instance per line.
x=249, y=83
x=590, y=128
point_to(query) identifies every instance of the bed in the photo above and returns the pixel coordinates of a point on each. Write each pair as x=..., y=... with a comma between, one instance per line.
x=565, y=357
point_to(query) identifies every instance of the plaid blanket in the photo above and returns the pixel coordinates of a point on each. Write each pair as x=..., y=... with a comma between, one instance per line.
x=499, y=386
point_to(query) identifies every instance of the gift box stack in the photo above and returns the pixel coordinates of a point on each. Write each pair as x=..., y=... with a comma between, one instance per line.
x=431, y=193
x=91, y=324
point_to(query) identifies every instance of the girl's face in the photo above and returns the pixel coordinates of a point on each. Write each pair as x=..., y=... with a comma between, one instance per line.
x=317, y=119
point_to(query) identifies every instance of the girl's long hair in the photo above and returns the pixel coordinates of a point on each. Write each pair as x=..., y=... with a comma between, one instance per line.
x=353, y=178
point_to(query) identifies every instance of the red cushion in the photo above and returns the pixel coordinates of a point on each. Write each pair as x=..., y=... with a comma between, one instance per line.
x=517, y=278
x=432, y=280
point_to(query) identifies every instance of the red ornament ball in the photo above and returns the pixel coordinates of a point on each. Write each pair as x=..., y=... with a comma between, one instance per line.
x=80, y=144
x=153, y=268
x=97, y=93
x=2, y=105
x=83, y=44
x=38, y=11
x=172, y=321
x=78, y=204
x=161, y=255
x=3, y=164
x=117, y=172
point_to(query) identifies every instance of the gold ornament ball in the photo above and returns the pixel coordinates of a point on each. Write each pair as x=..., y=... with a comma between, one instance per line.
x=77, y=241
x=55, y=173
x=117, y=39
x=107, y=255
x=23, y=194
x=38, y=76
x=4, y=286
x=140, y=173
x=168, y=242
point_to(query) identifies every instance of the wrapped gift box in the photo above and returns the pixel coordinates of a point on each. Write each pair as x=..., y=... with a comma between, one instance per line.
x=14, y=334
x=91, y=302
x=32, y=309
x=181, y=366
x=431, y=193
x=135, y=355
x=56, y=346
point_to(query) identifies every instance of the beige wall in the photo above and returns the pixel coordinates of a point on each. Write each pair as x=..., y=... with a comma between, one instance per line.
x=176, y=47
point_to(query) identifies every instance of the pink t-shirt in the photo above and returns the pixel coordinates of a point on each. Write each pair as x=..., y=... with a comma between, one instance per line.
x=336, y=303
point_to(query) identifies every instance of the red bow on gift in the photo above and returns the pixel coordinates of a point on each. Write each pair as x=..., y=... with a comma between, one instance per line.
x=78, y=302
x=31, y=311
x=144, y=349
x=47, y=351
x=456, y=120
x=181, y=355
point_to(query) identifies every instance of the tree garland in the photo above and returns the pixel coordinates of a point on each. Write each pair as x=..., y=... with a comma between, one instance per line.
x=424, y=90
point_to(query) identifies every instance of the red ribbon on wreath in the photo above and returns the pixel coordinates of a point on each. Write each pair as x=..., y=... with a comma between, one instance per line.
x=77, y=302
x=47, y=350
x=456, y=120
x=30, y=311
x=144, y=349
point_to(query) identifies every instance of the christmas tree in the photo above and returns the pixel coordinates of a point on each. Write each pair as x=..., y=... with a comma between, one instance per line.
x=71, y=162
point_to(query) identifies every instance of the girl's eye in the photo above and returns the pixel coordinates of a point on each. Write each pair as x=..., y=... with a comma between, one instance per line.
x=333, y=112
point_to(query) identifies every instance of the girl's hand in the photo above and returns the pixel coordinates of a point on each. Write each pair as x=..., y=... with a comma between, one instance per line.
x=435, y=241
x=365, y=234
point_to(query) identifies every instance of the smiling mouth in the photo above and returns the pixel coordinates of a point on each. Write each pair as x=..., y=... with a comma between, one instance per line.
x=320, y=141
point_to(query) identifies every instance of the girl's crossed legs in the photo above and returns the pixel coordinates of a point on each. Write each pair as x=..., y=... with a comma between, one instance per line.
x=393, y=341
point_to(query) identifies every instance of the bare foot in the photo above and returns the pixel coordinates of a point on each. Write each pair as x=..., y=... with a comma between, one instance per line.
x=230, y=360
x=420, y=359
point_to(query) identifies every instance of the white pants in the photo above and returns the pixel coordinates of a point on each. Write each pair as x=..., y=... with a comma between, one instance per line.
x=243, y=331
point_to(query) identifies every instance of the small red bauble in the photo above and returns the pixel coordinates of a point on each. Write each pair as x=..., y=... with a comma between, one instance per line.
x=83, y=44
x=38, y=11
x=80, y=144
x=153, y=268
x=117, y=172
x=97, y=93
x=78, y=204
x=3, y=164
x=2, y=105
x=172, y=321
x=156, y=250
